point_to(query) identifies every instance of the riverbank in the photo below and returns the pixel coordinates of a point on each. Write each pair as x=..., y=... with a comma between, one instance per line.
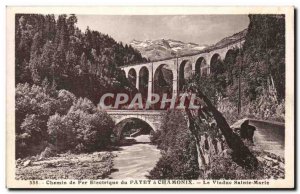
x=97, y=165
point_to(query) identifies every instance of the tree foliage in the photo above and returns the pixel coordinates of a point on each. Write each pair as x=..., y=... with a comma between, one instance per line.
x=84, y=63
x=259, y=66
x=264, y=56
x=80, y=130
x=46, y=117
x=179, y=156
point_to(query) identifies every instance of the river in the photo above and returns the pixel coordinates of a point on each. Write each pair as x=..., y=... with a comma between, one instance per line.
x=269, y=137
x=135, y=161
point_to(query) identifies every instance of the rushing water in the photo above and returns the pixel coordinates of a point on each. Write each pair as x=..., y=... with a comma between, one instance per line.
x=135, y=161
x=269, y=137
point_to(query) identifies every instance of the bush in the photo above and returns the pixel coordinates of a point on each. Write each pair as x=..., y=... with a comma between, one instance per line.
x=32, y=136
x=79, y=130
x=65, y=100
x=61, y=133
x=179, y=160
x=46, y=117
x=226, y=168
x=34, y=105
x=101, y=129
x=85, y=105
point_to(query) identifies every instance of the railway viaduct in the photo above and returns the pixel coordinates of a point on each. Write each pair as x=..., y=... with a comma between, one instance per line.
x=179, y=67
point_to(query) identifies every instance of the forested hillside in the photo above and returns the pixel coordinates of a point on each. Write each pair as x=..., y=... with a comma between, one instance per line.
x=264, y=56
x=53, y=48
x=259, y=67
x=61, y=73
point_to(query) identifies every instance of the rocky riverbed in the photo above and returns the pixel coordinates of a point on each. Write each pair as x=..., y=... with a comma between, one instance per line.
x=97, y=165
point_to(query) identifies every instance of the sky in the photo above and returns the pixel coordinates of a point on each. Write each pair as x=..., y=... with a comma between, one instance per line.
x=200, y=29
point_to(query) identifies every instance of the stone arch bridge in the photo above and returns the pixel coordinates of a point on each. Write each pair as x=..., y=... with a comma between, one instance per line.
x=194, y=64
x=152, y=117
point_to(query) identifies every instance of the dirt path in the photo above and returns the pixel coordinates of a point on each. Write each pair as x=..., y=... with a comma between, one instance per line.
x=135, y=161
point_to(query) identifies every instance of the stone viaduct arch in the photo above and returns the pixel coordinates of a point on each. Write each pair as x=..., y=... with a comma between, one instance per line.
x=181, y=66
x=185, y=70
x=201, y=66
x=132, y=76
x=163, y=78
x=152, y=118
x=143, y=82
x=215, y=62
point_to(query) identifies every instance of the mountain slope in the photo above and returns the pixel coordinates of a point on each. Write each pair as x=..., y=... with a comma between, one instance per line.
x=167, y=48
x=227, y=40
x=164, y=48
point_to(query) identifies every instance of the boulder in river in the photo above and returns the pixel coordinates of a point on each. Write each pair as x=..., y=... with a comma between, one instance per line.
x=27, y=163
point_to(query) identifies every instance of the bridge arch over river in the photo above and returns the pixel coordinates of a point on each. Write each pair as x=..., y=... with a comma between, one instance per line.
x=152, y=117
